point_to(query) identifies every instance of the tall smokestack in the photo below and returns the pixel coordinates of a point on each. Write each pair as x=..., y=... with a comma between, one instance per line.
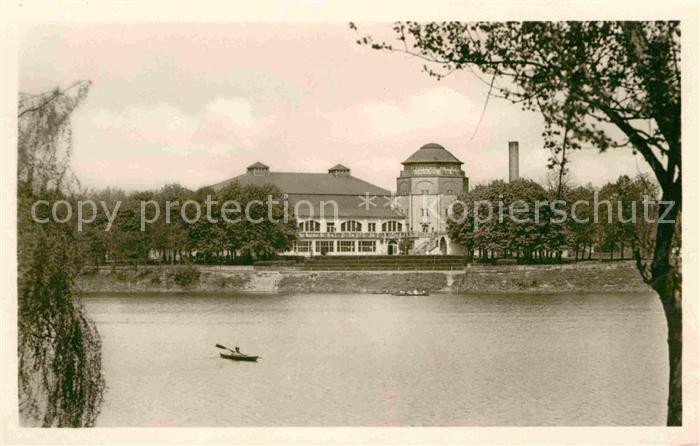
x=513, y=174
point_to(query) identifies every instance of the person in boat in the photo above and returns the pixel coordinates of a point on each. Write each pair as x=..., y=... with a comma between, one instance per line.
x=238, y=352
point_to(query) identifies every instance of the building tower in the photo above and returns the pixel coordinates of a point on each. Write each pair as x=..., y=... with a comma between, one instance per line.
x=432, y=178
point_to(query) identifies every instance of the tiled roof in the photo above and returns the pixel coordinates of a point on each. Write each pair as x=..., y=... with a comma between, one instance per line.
x=348, y=206
x=431, y=153
x=309, y=183
x=346, y=191
x=258, y=165
x=338, y=167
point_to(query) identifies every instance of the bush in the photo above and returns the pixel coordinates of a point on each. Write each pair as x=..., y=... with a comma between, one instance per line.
x=143, y=273
x=187, y=276
x=236, y=281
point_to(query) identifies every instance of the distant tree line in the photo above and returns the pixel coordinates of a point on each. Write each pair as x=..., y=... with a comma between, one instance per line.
x=182, y=236
x=610, y=219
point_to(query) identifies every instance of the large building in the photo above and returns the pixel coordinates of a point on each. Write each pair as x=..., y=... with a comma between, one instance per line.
x=339, y=214
x=431, y=180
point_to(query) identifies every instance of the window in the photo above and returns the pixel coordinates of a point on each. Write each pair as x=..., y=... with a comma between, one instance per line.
x=367, y=246
x=424, y=212
x=391, y=226
x=450, y=192
x=371, y=227
x=424, y=191
x=310, y=226
x=330, y=227
x=351, y=226
x=425, y=227
x=346, y=246
x=324, y=246
x=302, y=246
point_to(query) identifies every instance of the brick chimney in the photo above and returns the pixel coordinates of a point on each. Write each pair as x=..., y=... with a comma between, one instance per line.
x=513, y=172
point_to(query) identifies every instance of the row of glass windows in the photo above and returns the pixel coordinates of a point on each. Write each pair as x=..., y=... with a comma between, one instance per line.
x=350, y=226
x=325, y=246
x=425, y=212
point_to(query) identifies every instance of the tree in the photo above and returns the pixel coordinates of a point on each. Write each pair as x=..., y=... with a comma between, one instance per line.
x=609, y=230
x=265, y=230
x=59, y=348
x=206, y=235
x=129, y=243
x=101, y=244
x=580, y=230
x=514, y=225
x=233, y=237
x=618, y=220
x=171, y=237
x=607, y=84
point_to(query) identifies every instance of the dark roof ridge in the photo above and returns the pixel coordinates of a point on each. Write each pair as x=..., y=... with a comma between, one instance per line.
x=432, y=153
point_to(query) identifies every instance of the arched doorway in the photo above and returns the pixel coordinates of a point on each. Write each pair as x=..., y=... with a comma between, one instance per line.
x=443, y=246
x=392, y=248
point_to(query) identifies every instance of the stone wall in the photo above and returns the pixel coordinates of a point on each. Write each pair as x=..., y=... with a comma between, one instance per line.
x=576, y=277
x=581, y=277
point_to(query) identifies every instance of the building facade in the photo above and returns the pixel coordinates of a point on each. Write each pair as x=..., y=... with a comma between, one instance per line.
x=431, y=181
x=339, y=214
x=336, y=213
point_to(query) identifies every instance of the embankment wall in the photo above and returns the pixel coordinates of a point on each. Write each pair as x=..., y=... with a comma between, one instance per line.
x=580, y=277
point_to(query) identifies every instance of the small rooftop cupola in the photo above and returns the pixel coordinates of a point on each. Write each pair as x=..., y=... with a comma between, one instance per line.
x=339, y=170
x=259, y=169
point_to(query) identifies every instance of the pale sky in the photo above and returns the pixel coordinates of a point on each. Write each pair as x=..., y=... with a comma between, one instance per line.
x=196, y=104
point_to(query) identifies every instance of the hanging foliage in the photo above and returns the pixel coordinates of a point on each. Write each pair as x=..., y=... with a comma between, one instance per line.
x=59, y=349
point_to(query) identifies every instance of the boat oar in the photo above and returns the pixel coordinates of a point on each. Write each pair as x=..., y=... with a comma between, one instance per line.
x=225, y=348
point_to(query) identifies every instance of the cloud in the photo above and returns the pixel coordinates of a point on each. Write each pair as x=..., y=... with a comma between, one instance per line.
x=221, y=124
x=148, y=146
x=427, y=110
x=227, y=119
x=162, y=124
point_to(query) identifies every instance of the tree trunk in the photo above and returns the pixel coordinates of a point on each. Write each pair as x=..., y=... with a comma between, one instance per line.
x=674, y=321
x=666, y=281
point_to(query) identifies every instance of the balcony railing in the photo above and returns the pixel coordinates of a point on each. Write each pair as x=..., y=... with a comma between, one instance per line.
x=431, y=172
x=366, y=235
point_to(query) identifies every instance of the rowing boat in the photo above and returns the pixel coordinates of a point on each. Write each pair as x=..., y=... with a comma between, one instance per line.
x=238, y=357
x=411, y=293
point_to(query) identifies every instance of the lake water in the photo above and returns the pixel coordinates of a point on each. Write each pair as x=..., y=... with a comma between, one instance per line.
x=377, y=360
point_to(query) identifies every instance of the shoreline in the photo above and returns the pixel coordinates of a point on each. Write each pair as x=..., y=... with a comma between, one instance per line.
x=585, y=277
x=99, y=294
